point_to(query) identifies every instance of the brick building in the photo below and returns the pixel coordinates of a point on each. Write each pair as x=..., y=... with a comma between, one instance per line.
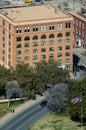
x=79, y=27
x=35, y=33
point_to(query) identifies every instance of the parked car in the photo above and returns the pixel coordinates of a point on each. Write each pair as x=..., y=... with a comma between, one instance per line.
x=44, y=103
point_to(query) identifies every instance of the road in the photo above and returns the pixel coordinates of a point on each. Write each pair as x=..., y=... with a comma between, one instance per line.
x=25, y=119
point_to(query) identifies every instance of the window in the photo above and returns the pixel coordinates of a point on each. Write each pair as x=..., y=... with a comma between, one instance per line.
x=18, y=39
x=18, y=52
x=27, y=29
x=59, y=35
x=43, y=37
x=9, y=56
x=18, y=45
x=27, y=51
x=43, y=28
x=3, y=31
x=51, y=42
x=26, y=38
x=68, y=25
x=18, y=30
x=59, y=48
x=35, y=37
x=51, y=36
x=35, y=44
x=59, y=26
x=3, y=59
x=83, y=25
x=67, y=47
x=60, y=62
x=51, y=56
x=67, y=61
x=51, y=27
x=43, y=50
x=67, y=33
x=9, y=26
x=3, y=22
x=35, y=28
x=3, y=38
x=51, y=49
x=9, y=36
x=43, y=57
x=27, y=45
x=19, y=59
x=35, y=51
x=43, y=43
x=67, y=40
x=59, y=54
x=27, y=58
x=3, y=45
x=9, y=43
x=3, y=51
x=35, y=57
x=9, y=49
x=67, y=54
x=59, y=41
x=80, y=24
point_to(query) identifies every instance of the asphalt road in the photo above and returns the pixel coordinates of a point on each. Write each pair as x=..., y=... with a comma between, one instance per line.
x=25, y=119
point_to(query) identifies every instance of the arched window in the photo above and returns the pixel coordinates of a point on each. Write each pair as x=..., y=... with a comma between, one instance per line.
x=43, y=37
x=51, y=36
x=59, y=35
x=35, y=37
x=26, y=38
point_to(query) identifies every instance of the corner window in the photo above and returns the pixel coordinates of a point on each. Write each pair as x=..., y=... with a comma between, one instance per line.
x=18, y=30
x=67, y=33
x=67, y=47
x=68, y=25
x=67, y=54
x=67, y=61
x=67, y=40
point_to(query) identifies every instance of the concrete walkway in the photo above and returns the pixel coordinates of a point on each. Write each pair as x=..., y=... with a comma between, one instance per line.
x=20, y=108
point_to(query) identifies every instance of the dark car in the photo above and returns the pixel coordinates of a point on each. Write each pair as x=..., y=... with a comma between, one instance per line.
x=43, y=103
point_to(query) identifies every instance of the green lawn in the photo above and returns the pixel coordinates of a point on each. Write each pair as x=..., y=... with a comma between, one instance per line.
x=56, y=121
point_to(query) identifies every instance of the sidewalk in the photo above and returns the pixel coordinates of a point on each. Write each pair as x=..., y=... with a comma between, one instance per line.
x=20, y=109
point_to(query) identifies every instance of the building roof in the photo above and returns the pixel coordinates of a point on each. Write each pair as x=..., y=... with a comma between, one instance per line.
x=31, y=13
x=78, y=15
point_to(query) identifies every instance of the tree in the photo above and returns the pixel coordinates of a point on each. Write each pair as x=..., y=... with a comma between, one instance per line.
x=77, y=88
x=57, y=95
x=13, y=90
